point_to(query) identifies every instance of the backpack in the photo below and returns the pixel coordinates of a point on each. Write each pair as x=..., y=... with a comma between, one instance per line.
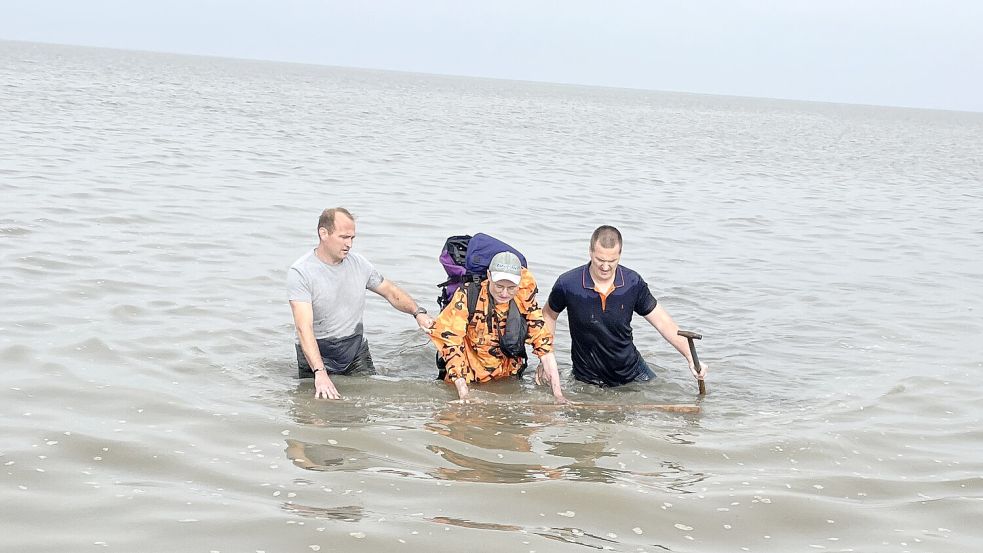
x=465, y=259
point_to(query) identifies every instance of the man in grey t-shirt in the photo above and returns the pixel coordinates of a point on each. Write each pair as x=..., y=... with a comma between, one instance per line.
x=326, y=288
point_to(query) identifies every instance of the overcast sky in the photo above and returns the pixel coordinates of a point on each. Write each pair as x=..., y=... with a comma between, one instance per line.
x=884, y=52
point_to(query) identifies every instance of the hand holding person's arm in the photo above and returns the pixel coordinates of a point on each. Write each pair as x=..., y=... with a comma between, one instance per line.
x=304, y=322
x=668, y=328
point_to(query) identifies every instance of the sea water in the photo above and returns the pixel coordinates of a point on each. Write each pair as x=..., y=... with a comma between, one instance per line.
x=150, y=205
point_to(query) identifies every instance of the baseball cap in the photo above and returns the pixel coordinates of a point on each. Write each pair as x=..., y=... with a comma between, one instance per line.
x=505, y=266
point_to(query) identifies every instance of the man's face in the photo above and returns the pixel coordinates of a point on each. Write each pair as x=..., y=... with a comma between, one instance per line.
x=337, y=243
x=604, y=261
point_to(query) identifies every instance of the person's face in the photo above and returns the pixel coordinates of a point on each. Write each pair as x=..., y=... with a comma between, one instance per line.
x=604, y=261
x=502, y=290
x=337, y=244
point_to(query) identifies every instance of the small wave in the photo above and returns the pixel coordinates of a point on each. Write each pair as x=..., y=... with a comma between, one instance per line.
x=14, y=231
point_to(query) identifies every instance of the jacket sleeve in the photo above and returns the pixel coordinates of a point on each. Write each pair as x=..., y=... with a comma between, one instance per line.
x=540, y=338
x=449, y=333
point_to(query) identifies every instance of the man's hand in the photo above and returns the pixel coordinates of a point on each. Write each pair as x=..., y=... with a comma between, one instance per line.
x=463, y=392
x=323, y=387
x=543, y=377
x=425, y=322
x=548, y=373
x=702, y=373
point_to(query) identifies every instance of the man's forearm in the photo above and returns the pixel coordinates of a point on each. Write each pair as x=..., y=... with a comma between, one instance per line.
x=682, y=346
x=401, y=300
x=669, y=330
x=308, y=345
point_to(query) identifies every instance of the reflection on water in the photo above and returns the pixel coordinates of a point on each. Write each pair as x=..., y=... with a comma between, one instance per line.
x=573, y=536
x=494, y=441
x=672, y=476
x=474, y=469
x=488, y=426
x=464, y=523
x=327, y=457
x=577, y=536
x=347, y=513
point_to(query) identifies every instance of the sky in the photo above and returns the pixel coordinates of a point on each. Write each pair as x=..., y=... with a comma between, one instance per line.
x=923, y=54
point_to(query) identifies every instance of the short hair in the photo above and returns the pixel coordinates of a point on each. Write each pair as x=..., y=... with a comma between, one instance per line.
x=326, y=221
x=607, y=236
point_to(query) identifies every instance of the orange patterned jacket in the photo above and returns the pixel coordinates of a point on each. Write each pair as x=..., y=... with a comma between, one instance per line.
x=470, y=350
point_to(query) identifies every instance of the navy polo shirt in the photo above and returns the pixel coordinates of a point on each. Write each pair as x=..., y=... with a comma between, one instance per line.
x=603, y=352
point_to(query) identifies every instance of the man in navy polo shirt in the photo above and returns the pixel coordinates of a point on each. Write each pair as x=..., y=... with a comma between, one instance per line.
x=601, y=297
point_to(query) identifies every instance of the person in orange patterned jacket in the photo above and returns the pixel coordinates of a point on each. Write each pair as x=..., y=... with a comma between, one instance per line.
x=490, y=343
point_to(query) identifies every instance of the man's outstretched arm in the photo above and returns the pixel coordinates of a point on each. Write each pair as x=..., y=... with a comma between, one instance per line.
x=403, y=302
x=660, y=319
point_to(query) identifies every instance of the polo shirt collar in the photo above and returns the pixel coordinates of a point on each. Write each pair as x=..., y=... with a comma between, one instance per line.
x=588, y=281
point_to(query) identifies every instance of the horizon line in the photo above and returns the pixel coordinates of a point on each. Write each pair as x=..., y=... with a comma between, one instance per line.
x=489, y=78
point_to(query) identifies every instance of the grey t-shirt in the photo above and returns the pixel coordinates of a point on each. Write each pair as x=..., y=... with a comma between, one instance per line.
x=337, y=296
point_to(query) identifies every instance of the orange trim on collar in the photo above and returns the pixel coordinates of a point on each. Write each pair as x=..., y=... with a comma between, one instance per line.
x=604, y=296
